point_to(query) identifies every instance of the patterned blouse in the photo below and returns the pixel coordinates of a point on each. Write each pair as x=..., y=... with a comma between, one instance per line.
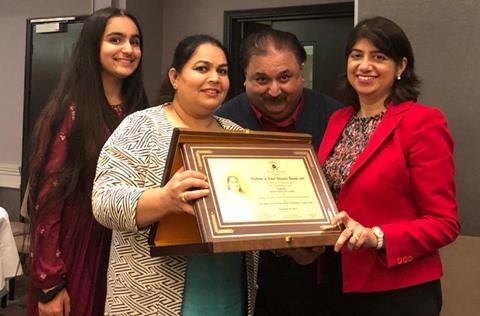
x=133, y=160
x=349, y=146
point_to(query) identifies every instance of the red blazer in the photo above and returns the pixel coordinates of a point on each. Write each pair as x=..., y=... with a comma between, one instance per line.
x=402, y=182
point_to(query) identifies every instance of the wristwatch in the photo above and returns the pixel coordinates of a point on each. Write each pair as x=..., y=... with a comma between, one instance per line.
x=379, y=233
x=45, y=297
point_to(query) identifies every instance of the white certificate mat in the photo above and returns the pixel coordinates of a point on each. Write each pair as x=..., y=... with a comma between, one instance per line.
x=264, y=189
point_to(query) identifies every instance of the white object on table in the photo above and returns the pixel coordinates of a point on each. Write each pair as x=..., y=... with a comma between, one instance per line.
x=9, y=260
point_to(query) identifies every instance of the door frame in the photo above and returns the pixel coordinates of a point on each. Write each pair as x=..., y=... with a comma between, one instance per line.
x=27, y=120
x=233, y=31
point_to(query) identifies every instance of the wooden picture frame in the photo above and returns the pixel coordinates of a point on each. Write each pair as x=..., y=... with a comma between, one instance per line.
x=281, y=198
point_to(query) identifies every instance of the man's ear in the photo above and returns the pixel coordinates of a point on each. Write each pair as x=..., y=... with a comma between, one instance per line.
x=301, y=72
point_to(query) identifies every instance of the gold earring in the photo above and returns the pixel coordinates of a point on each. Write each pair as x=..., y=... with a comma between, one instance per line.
x=174, y=87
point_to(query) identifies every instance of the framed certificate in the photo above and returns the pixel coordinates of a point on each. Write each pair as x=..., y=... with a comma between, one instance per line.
x=267, y=192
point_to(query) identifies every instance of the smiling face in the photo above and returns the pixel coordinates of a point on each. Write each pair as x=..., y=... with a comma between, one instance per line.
x=203, y=83
x=274, y=83
x=371, y=73
x=233, y=184
x=120, y=51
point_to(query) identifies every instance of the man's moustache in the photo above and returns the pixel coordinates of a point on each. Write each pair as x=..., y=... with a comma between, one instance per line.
x=278, y=99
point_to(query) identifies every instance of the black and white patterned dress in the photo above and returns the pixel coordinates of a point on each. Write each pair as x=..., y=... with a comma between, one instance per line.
x=133, y=160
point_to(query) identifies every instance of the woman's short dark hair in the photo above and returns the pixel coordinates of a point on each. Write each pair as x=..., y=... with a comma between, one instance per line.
x=183, y=52
x=259, y=42
x=390, y=39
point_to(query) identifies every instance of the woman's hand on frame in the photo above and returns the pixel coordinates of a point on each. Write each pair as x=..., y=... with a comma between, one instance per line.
x=355, y=235
x=185, y=187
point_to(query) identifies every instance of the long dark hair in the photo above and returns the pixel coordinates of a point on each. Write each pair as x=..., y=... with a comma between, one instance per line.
x=80, y=85
x=183, y=52
x=390, y=39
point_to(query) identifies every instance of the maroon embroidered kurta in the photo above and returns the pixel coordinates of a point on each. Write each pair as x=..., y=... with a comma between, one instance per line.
x=69, y=242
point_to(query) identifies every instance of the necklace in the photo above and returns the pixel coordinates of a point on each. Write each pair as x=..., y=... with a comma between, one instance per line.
x=360, y=115
x=118, y=108
x=211, y=125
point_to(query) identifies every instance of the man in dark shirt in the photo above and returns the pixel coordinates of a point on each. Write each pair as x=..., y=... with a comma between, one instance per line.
x=290, y=282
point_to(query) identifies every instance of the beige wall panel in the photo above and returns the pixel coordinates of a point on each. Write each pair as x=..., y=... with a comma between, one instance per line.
x=460, y=283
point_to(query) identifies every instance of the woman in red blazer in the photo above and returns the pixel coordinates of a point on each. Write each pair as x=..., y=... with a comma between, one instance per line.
x=389, y=164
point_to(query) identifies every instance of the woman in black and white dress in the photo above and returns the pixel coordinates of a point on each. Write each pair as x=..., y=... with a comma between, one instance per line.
x=127, y=198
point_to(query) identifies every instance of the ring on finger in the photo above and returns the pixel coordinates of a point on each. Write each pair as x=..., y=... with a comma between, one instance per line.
x=355, y=236
x=182, y=197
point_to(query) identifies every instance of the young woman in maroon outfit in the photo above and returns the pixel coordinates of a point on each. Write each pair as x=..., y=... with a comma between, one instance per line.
x=101, y=84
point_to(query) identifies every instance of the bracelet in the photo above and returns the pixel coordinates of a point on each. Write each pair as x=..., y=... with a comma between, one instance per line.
x=379, y=234
x=45, y=297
